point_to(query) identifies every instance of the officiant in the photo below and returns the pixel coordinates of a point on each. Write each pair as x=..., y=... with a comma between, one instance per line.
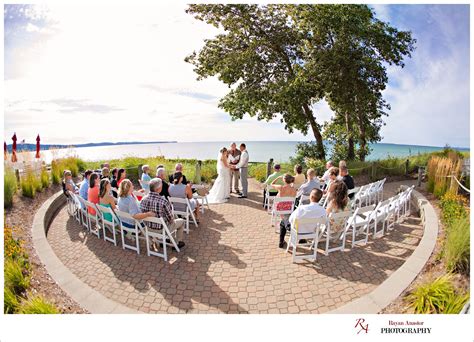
x=234, y=158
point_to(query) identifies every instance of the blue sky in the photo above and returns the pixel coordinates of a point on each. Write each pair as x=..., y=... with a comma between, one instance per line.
x=69, y=78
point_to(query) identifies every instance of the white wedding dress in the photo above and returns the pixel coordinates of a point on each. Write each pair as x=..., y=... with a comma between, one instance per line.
x=220, y=191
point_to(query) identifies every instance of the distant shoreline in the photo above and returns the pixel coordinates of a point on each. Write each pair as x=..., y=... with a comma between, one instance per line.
x=32, y=147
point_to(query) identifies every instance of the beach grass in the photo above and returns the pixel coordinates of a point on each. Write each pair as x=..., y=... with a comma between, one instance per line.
x=9, y=187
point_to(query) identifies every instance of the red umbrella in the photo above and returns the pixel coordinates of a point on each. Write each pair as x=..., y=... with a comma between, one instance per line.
x=5, y=150
x=14, y=159
x=38, y=146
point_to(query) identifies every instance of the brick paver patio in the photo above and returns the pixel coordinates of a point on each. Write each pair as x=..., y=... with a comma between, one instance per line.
x=232, y=264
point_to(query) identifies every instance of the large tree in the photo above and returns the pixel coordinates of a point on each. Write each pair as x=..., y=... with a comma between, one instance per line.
x=282, y=59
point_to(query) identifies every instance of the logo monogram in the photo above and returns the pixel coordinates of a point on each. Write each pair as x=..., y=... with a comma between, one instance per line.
x=362, y=327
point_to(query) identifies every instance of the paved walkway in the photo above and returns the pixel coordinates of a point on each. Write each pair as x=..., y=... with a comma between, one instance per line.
x=231, y=264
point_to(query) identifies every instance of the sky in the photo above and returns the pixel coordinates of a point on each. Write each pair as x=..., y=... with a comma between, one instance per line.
x=94, y=73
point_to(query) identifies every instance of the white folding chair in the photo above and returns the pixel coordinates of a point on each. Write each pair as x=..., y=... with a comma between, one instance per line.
x=281, y=206
x=393, y=212
x=182, y=207
x=381, y=215
x=202, y=199
x=163, y=236
x=312, y=237
x=269, y=199
x=304, y=198
x=83, y=212
x=93, y=218
x=372, y=193
x=74, y=206
x=133, y=233
x=360, y=223
x=329, y=233
x=138, y=195
x=109, y=225
x=380, y=190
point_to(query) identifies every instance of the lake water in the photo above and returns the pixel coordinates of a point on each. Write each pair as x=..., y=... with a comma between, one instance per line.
x=260, y=151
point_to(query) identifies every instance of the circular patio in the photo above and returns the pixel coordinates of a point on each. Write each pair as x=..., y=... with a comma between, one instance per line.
x=232, y=264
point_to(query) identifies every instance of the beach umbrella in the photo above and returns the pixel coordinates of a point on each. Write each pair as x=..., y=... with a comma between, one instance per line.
x=14, y=159
x=38, y=146
x=5, y=150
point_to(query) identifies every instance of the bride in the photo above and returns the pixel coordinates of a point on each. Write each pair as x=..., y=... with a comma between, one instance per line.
x=220, y=191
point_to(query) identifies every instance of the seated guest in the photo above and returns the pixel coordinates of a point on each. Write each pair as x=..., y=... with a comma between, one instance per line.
x=113, y=181
x=105, y=198
x=145, y=177
x=68, y=184
x=276, y=174
x=128, y=204
x=160, y=173
x=338, y=200
x=178, y=189
x=85, y=185
x=342, y=163
x=299, y=176
x=311, y=183
x=93, y=191
x=121, y=175
x=105, y=173
x=178, y=168
x=347, y=179
x=286, y=190
x=325, y=178
x=333, y=173
x=311, y=210
x=158, y=204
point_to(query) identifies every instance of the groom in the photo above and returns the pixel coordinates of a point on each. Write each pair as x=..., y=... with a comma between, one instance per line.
x=243, y=166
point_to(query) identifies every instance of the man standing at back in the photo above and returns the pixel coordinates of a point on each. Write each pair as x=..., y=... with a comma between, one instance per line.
x=234, y=154
x=243, y=167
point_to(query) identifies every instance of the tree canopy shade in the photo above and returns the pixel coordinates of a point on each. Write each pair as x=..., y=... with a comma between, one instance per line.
x=279, y=60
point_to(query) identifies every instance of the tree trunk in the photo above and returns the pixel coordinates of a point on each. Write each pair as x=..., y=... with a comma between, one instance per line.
x=362, y=138
x=316, y=131
x=350, y=140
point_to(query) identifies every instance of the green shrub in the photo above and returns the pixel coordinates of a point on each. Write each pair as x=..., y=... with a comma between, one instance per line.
x=438, y=296
x=457, y=246
x=453, y=208
x=72, y=164
x=455, y=303
x=10, y=301
x=15, y=280
x=44, y=178
x=29, y=184
x=258, y=171
x=9, y=187
x=37, y=305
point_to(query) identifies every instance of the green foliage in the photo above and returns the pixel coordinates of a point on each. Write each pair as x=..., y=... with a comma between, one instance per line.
x=37, y=305
x=258, y=171
x=15, y=279
x=10, y=301
x=30, y=184
x=72, y=164
x=282, y=59
x=438, y=296
x=44, y=178
x=457, y=246
x=455, y=303
x=9, y=187
x=453, y=208
x=305, y=151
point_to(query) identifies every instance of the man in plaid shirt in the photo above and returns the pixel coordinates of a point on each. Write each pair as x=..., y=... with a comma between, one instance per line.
x=162, y=208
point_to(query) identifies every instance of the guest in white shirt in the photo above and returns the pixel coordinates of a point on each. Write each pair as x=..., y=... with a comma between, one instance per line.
x=311, y=210
x=325, y=177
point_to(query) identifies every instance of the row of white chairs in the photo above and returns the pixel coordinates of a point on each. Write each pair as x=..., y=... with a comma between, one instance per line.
x=357, y=224
x=368, y=194
x=92, y=217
